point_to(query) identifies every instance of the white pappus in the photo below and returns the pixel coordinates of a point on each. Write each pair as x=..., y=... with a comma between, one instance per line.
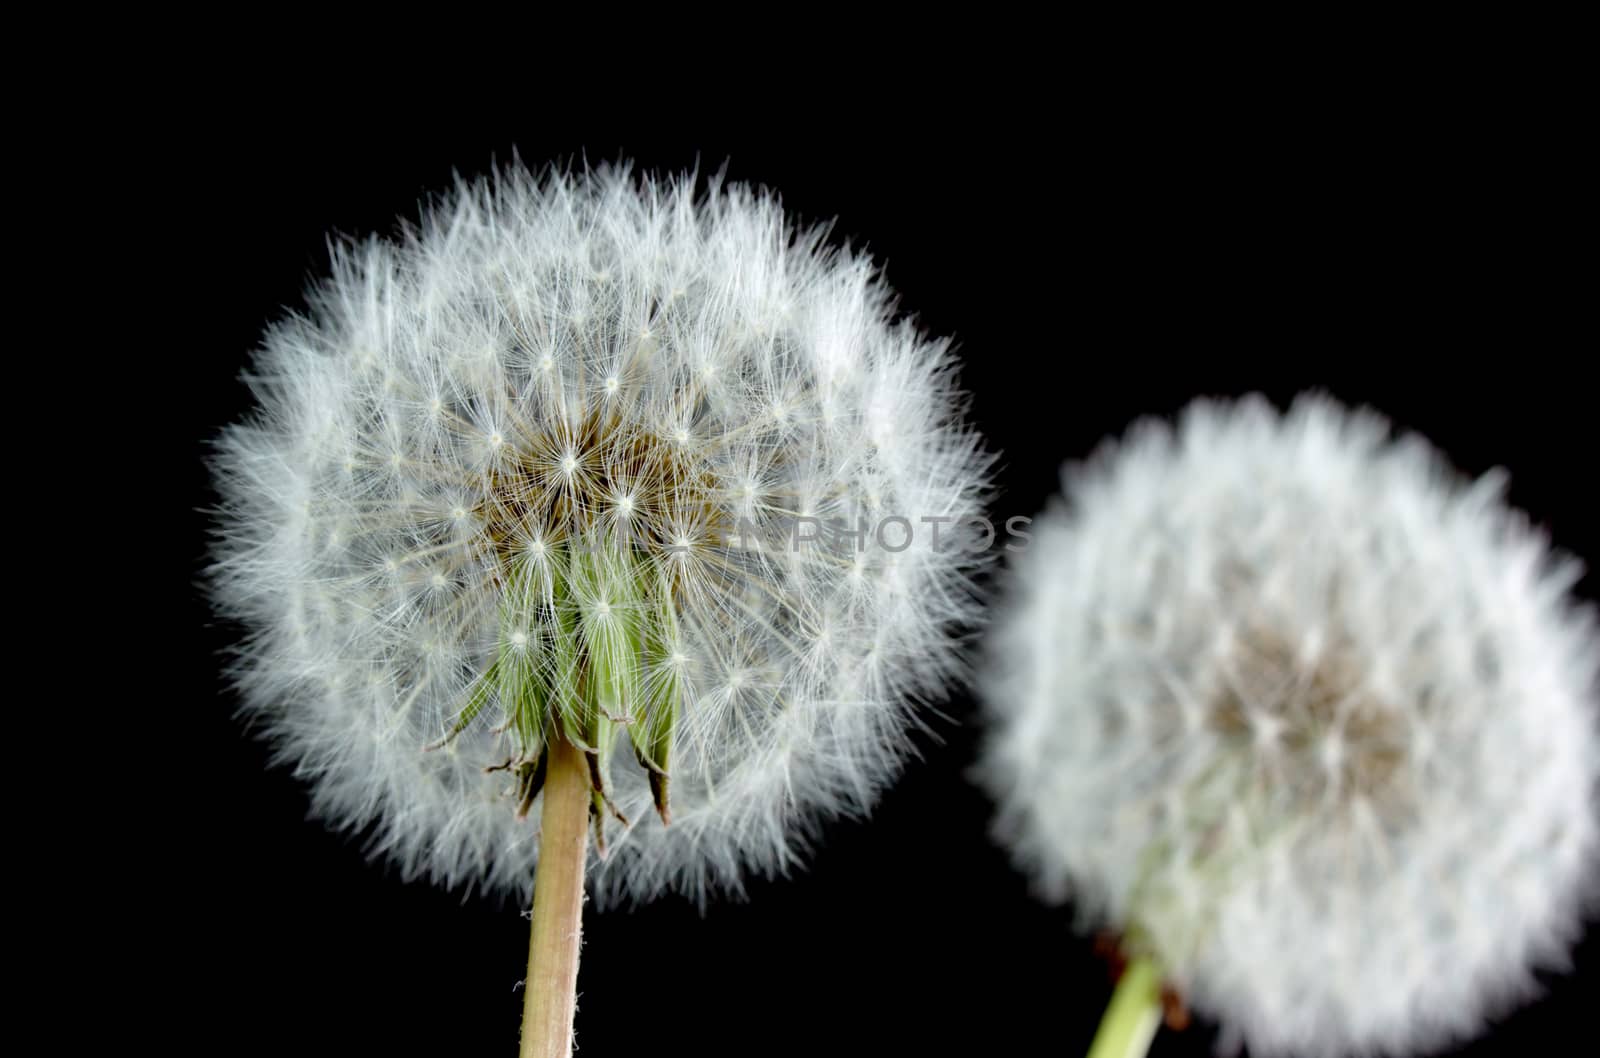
x=1308, y=719
x=538, y=463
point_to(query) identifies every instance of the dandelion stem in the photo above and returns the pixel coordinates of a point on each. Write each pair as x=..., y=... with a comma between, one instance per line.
x=1134, y=1014
x=550, y=992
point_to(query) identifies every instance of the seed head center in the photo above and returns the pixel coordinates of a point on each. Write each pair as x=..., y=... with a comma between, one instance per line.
x=596, y=481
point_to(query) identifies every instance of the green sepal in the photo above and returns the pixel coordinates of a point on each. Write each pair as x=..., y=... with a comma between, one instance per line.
x=597, y=815
x=609, y=641
x=653, y=731
x=477, y=697
x=582, y=671
x=530, y=780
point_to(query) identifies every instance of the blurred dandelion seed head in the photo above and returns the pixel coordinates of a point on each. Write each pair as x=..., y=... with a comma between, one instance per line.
x=1305, y=717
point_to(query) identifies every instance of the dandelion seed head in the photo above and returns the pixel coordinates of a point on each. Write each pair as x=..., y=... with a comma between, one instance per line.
x=550, y=413
x=1307, y=718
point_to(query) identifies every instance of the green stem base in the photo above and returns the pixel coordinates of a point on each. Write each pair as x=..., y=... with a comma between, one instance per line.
x=1134, y=1014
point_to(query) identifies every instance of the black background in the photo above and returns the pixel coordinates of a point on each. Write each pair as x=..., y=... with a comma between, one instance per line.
x=1094, y=265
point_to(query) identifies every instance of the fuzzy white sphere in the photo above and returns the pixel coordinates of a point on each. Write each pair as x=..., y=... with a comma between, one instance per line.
x=1308, y=719
x=595, y=357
